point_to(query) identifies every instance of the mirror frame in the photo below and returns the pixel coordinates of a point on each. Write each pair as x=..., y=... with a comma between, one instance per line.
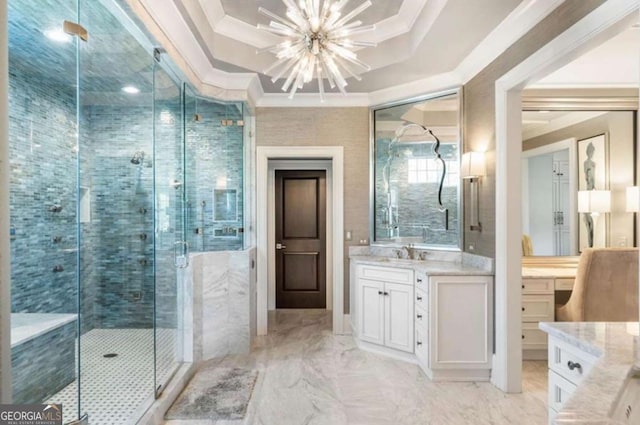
x=372, y=167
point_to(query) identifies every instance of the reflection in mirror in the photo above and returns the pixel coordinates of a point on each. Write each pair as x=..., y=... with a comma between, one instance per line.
x=416, y=148
x=570, y=152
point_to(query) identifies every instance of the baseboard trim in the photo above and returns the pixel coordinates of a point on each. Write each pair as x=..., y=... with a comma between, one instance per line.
x=347, y=326
x=458, y=375
x=387, y=352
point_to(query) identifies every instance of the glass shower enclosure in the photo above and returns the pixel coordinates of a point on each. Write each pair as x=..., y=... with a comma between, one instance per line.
x=97, y=155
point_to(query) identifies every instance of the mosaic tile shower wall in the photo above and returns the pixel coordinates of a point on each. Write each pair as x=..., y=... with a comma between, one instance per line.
x=417, y=203
x=43, y=195
x=215, y=161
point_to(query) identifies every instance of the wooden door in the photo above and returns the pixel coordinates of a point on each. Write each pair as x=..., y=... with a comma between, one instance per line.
x=398, y=329
x=301, y=239
x=371, y=312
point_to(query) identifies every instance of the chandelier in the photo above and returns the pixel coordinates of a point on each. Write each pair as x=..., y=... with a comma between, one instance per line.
x=317, y=44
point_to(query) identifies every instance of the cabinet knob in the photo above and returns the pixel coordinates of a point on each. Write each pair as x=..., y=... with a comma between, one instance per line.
x=386, y=293
x=522, y=308
x=522, y=336
x=419, y=280
x=419, y=343
x=419, y=316
x=379, y=292
x=522, y=286
x=571, y=365
x=419, y=298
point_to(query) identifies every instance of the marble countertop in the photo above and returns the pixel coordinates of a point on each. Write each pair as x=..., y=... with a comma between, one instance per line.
x=616, y=346
x=428, y=267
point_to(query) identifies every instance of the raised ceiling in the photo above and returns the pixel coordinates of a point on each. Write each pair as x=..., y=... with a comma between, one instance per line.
x=247, y=10
x=417, y=39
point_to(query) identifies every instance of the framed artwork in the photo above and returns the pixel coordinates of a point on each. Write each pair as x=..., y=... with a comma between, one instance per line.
x=593, y=174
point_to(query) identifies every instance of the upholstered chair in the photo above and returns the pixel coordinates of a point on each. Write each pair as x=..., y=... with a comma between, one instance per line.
x=527, y=246
x=606, y=287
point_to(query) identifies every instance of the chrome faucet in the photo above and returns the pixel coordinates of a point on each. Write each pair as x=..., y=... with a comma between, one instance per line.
x=410, y=251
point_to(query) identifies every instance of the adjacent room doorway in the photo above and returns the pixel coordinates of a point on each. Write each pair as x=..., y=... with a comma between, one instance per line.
x=301, y=248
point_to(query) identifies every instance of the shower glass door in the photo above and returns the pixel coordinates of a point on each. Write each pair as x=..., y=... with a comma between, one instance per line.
x=116, y=195
x=171, y=252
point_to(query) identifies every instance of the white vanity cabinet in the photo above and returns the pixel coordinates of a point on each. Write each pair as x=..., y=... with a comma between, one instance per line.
x=442, y=322
x=538, y=305
x=568, y=365
x=384, y=306
x=460, y=328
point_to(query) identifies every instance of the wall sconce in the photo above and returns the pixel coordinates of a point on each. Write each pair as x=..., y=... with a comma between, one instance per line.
x=594, y=202
x=633, y=199
x=472, y=167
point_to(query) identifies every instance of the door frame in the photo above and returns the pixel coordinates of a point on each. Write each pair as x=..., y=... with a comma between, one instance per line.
x=336, y=155
x=572, y=145
x=298, y=164
x=601, y=24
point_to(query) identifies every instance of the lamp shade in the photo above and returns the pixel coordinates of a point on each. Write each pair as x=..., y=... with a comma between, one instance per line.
x=633, y=199
x=594, y=201
x=473, y=165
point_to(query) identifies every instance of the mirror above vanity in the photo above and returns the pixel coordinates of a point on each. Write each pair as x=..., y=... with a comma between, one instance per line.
x=576, y=168
x=415, y=154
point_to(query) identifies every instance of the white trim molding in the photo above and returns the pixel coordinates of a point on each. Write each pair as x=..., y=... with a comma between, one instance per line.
x=263, y=155
x=601, y=24
x=406, y=29
x=299, y=164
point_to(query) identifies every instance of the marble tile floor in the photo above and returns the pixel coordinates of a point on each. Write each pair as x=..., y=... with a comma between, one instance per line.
x=308, y=376
x=112, y=390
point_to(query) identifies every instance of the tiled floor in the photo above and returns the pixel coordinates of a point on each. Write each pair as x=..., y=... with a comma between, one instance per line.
x=307, y=375
x=113, y=389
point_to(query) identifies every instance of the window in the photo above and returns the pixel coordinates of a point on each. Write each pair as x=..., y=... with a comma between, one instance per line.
x=418, y=170
x=428, y=170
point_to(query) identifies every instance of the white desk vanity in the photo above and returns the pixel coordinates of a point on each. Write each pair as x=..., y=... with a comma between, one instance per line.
x=435, y=313
x=542, y=279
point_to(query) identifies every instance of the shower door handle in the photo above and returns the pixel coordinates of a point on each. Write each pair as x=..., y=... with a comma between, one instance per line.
x=181, y=257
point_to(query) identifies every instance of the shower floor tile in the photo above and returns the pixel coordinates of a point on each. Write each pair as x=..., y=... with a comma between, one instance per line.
x=114, y=389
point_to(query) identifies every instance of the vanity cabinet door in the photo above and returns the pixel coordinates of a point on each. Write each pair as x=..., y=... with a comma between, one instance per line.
x=398, y=330
x=460, y=322
x=371, y=310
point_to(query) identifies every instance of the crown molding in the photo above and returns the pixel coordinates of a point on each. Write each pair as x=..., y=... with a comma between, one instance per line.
x=560, y=123
x=312, y=100
x=440, y=82
x=234, y=28
x=167, y=25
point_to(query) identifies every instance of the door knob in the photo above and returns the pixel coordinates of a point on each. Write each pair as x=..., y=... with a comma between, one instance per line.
x=280, y=246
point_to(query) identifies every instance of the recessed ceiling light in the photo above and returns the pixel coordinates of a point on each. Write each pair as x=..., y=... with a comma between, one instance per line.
x=57, y=35
x=131, y=90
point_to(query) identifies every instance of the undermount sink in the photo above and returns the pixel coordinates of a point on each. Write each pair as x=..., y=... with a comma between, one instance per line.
x=627, y=407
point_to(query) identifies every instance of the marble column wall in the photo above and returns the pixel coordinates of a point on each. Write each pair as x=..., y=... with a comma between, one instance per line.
x=218, y=303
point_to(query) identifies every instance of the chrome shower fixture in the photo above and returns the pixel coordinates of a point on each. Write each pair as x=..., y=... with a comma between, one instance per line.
x=137, y=158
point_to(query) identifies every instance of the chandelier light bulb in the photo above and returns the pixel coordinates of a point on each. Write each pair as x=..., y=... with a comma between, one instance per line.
x=317, y=44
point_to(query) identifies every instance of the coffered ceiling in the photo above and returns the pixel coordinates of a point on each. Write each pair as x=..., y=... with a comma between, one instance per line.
x=426, y=43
